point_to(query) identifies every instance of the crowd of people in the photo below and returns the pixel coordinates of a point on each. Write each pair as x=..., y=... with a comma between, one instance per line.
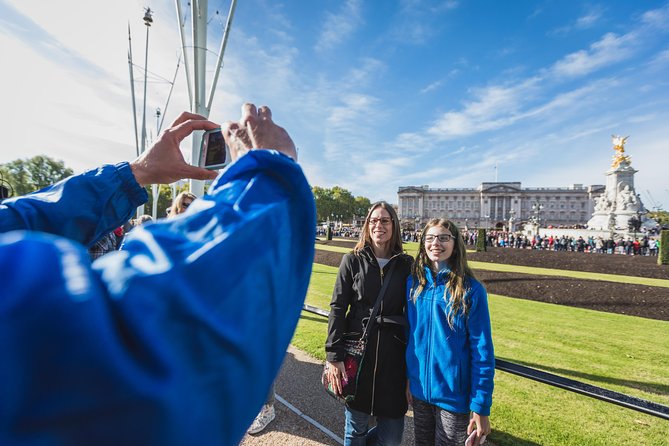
x=644, y=246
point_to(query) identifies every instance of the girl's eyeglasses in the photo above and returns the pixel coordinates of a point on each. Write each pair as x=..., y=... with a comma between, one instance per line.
x=443, y=238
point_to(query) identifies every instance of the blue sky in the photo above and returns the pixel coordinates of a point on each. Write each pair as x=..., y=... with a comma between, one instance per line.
x=376, y=94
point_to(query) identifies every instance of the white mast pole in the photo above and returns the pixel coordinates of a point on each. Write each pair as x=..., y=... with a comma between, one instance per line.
x=199, y=13
x=132, y=91
x=198, y=103
x=221, y=51
x=184, y=51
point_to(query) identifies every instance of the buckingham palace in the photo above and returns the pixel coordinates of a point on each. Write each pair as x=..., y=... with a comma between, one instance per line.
x=493, y=205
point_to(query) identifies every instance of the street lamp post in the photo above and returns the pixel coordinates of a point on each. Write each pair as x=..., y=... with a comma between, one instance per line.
x=537, y=207
x=155, y=190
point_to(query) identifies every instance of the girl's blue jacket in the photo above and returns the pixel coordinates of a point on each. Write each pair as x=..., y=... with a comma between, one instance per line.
x=175, y=339
x=450, y=368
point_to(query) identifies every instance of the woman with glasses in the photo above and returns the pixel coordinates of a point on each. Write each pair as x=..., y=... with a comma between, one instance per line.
x=180, y=204
x=450, y=357
x=382, y=376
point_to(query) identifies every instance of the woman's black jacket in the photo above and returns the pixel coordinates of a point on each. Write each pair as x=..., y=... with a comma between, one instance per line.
x=382, y=379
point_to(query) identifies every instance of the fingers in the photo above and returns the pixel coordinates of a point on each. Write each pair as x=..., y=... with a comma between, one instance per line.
x=249, y=114
x=264, y=113
x=335, y=375
x=180, y=131
x=252, y=119
x=336, y=379
x=185, y=116
x=198, y=173
x=235, y=135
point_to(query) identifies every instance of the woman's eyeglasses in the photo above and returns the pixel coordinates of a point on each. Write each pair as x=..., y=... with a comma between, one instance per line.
x=443, y=238
x=384, y=221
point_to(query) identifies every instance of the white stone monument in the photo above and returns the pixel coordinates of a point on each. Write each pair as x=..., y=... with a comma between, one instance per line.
x=619, y=203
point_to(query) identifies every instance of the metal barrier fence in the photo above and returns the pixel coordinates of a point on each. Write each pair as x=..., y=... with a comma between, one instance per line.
x=599, y=393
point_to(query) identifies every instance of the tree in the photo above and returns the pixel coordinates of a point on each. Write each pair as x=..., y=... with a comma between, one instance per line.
x=164, y=199
x=30, y=175
x=324, y=202
x=362, y=205
x=663, y=254
x=481, y=240
x=634, y=224
x=338, y=202
x=662, y=217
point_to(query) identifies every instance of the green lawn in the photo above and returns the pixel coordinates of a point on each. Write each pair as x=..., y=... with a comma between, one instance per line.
x=622, y=353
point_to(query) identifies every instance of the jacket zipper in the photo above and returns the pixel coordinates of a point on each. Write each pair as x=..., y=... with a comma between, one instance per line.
x=378, y=340
x=376, y=356
x=428, y=381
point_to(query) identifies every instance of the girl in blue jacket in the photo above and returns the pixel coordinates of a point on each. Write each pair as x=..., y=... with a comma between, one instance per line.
x=450, y=357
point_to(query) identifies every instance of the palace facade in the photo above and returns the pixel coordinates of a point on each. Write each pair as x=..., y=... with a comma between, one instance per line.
x=498, y=205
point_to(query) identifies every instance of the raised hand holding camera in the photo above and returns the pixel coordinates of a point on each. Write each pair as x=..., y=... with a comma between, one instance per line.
x=256, y=130
x=163, y=163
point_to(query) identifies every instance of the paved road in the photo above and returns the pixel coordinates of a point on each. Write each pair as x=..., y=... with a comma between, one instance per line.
x=299, y=384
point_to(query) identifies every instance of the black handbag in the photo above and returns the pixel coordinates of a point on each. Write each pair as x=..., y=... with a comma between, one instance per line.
x=355, y=352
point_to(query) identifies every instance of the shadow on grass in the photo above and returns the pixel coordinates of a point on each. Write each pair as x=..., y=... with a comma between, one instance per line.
x=502, y=438
x=655, y=388
x=536, y=277
x=314, y=318
x=329, y=273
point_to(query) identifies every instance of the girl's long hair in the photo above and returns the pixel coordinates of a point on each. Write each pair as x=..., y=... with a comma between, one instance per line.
x=178, y=203
x=396, y=238
x=458, y=278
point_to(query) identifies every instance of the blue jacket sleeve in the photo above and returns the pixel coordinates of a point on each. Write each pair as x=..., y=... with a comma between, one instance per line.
x=482, y=352
x=174, y=340
x=82, y=207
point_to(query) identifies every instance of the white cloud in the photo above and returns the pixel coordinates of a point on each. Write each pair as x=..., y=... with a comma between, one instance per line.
x=432, y=86
x=493, y=107
x=338, y=27
x=606, y=51
x=657, y=18
x=591, y=17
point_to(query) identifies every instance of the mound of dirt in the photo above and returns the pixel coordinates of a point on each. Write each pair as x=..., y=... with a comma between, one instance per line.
x=637, y=300
x=638, y=266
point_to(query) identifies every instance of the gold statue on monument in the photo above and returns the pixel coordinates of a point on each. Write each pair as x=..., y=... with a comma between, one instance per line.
x=619, y=147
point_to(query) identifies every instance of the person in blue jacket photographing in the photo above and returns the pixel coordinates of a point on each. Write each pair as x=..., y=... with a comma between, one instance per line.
x=450, y=356
x=176, y=338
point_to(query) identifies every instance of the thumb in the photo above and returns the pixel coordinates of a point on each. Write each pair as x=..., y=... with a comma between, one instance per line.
x=198, y=173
